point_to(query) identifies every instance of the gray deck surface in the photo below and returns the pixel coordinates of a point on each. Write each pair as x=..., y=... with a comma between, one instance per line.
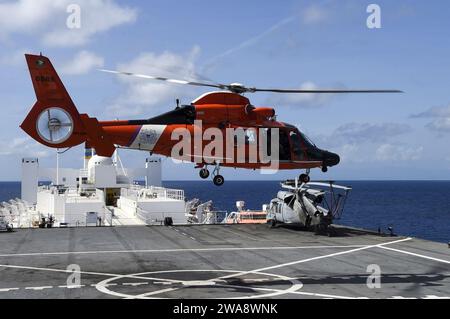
x=240, y=261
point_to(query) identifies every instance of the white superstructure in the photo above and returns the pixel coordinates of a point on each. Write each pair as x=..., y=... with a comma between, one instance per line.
x=102, y=193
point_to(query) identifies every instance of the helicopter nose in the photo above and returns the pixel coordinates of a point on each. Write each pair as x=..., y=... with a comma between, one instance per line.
x=331, y=159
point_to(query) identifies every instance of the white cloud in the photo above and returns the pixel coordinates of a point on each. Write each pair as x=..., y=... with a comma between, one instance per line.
x=440, y=118
x=14, y=58
x=366, y=132
x=313, y=14
x=440, y=125
x=46, y=20
x=82, y=63
x=375, y=152
x=23, y=146
x=144, y=96
x=390, y=152
x=350, y=153
x=369, y=143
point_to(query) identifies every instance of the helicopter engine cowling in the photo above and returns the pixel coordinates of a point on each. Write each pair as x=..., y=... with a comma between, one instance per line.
x=264, y=113
x=226, y=107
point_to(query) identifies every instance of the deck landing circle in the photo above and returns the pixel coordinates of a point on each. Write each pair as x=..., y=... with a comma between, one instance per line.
x=207, y=284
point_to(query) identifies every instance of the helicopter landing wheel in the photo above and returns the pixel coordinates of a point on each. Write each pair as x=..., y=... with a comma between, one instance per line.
x=324, y=169
x=304, y=178
x=219, y=180
x=204, y=173
x=331, y=232
x=272, y=223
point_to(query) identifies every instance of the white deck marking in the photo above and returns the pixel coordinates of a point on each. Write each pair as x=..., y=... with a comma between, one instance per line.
x=72, y=287
x=108, y=285
x=152, y=251
x=275, y=292
x=168, y=281
x=314, y=258
x=295, y=292
x=39, y=288
x=101, y=286
x=8, y=289
x=135, y=284
x=86, y=273
x=416, y=255
x=144, y=296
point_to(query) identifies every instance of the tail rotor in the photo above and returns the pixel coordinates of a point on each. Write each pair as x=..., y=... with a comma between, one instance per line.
x=55, y=125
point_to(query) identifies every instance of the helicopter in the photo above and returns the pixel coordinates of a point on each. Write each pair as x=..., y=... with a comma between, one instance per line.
x=55, y=122
x=313, y=206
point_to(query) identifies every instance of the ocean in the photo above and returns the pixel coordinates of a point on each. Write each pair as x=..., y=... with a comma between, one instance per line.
x=413, y=208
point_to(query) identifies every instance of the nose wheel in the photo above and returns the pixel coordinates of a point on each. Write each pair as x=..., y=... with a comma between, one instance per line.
x=304, y=178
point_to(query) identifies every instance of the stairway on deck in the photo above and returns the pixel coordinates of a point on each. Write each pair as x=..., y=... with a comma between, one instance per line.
x=122, y=218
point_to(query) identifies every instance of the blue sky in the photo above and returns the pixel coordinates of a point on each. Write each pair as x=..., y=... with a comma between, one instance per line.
x=260, y=43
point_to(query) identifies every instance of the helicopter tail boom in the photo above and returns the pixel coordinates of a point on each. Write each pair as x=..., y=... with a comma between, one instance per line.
x=54, y=120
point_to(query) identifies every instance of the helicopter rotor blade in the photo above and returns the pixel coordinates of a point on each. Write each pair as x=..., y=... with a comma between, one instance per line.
x=150, y=77
x=328, y=91
x=241, y=89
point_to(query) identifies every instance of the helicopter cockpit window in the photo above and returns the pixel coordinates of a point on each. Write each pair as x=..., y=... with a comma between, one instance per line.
x=308, y=140
x=297, y=146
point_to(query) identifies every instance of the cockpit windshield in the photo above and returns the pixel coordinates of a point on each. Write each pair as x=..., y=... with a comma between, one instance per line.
x=307, y=139
x=298, y=138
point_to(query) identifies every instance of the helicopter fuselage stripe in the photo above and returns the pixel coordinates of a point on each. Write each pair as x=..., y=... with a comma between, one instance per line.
x=134, y=136
x=147, y=137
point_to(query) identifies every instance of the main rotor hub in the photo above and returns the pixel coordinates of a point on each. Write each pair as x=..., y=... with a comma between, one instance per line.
x=238, y=88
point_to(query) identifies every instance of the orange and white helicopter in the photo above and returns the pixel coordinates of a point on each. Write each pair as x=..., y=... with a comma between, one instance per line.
x=54, y=121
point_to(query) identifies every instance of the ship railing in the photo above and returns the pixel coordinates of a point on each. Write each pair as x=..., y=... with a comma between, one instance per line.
x=142, y=193
x=87, y=199
x=84, y=173
x=214, y=217
x=237, y=217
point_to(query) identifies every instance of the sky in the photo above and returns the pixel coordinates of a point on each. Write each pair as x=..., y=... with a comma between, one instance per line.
x=293, y=44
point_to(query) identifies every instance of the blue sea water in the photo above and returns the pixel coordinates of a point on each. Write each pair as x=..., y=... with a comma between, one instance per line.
x=413, y=208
